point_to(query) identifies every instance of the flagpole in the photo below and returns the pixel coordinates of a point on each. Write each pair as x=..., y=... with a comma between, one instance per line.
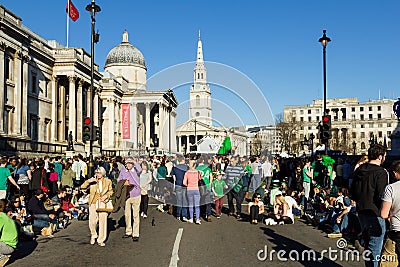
x=68, y=23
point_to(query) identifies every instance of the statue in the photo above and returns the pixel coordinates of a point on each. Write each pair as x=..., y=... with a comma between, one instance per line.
x=396, y=108
x=70, y=146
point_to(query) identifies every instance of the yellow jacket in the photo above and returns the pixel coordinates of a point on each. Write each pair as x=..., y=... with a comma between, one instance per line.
x=93, y=187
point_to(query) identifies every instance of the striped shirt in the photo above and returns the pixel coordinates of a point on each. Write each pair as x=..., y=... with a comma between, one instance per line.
x=232, y=174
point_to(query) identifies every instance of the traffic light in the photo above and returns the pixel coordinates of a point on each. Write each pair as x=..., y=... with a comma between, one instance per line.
x=96, y=133
x=87, y=129
x=326, y=127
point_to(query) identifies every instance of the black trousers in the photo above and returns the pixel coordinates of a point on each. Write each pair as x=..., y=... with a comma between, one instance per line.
x=254, y=213
x=395, y=236
x=144, y=203
x=239, y=197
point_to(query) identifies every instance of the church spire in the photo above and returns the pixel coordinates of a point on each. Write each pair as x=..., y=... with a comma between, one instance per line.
x=200, y=69
x=199, y=51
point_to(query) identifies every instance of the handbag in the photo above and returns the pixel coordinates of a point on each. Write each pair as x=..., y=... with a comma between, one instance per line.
x=202, y=186
x=104, y=206
x=44, y=188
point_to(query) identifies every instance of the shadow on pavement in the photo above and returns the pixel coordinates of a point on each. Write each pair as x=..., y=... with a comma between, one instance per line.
x=288, y=245
x=23, y=250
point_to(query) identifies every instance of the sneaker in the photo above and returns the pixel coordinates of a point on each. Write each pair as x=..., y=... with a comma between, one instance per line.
x=4, y=260
x=141, y=214
x=198, y=221
x=335, y=235
x=218, y=217
x=190, y=221
x=184, y=219
x=102, y=244
x=281, y=223
x=92, y=240
x=273, y=222
x=144, y=216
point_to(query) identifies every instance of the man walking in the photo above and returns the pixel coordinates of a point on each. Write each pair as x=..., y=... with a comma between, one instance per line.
x=131, y=174
x=370, y=180
x=233, y=175
x=178, y=173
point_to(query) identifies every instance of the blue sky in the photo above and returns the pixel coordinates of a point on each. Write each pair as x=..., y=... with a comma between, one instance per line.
x=274, y=43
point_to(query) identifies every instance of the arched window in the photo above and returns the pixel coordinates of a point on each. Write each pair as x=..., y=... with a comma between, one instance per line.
x=362, y=145
x=198, y=75
x=202, y=75
x=197, y=114
x=197, y=100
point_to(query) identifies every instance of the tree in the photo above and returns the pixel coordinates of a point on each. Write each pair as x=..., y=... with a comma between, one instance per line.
x=286, y=129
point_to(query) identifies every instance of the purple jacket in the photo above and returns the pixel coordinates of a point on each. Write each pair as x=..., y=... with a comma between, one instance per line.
x=133, y=177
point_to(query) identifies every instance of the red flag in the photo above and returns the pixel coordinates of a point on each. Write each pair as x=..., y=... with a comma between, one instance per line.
x=73, y=12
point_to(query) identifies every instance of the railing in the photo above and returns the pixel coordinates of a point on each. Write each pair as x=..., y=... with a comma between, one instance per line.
x=13, y=145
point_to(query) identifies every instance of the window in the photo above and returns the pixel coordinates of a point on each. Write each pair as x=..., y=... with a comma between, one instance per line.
x=197, y=100
x=309, y=127
x=353, y=109
x=362, y=145
x=198, y=75
x=301, y=136
x=301, y=119
x=301, y=128
x=354, y=135
x=369, y=108
x=34, y=82
x=361, y=108
x=389, y=133
x=370, y=116
x=309, y=111
x=33, y=131
x=379, y=108
x=309, y=119
x=380, y=134
x=362, y=126
x=379, y=116
x=389, y=125
x=197, y=114
x=362, y=135
x=301, y=112
x=353, y=116
x=317, y=118
x=361, y=116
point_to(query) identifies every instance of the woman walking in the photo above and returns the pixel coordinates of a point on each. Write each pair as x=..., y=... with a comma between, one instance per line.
x=100, y=193
x=22, y=173
x=145, y=181
x=191, y=180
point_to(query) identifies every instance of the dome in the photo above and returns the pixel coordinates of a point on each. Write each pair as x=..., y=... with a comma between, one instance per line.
x=125, y=54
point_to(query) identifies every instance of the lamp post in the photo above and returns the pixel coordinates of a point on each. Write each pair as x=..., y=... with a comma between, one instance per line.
x=312, y=137
x=93, y=9
x=354, y=147
x=324, y=40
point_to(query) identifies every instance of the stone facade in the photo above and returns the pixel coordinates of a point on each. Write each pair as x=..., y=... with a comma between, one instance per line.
x=353, y=123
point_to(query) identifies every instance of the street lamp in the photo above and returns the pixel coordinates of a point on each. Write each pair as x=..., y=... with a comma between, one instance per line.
x=93, y=9
x=354, y=147
x=324, y=40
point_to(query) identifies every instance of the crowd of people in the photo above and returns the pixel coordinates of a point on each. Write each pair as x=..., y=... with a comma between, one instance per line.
x=346, y=199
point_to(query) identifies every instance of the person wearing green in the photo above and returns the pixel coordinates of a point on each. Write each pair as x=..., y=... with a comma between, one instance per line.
x=8, y=235
x=307, y=177
x=218, y=185
x=205, y=172
x=5, y=175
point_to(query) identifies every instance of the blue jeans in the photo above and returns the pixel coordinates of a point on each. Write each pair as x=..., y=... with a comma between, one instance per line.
x=255, y=182
x=374, y=228
x=194, y=202
x=181, y=202
x=343, y=225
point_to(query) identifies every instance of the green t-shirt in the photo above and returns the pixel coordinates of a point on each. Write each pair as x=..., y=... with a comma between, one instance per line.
x=218, y=186
x=4, y=174
x=247, y=169
x=306, y=178
x=58, y=169
x=9, y=234
x=205, y=172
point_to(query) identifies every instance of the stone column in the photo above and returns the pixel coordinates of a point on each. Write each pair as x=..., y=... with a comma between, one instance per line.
x=24, y=91
x=134, y=137
x=72, y=106
x=109, y=141
x=79, y=111
x=2, y=81
x=61, y=117
x=17, y=118
x=180, y=144
x=147, y=142
x=54, y=108
x=160, y=125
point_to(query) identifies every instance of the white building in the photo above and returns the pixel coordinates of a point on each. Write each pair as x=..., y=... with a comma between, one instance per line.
x=200, y=120
x=134, y=120
x=353, y=123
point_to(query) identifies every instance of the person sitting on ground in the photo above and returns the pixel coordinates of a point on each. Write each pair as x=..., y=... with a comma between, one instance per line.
x=340, y=216
x=8, y=235
x=256, y=209
x=282, y=211
x=42, y=216
x=292, y=202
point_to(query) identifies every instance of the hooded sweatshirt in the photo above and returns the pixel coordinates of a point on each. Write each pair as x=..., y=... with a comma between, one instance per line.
x=368, y=185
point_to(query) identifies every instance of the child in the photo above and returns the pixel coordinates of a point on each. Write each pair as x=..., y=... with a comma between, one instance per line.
x=218, y=185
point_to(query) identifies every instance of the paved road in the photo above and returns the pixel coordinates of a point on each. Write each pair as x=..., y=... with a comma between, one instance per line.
x=223, y=242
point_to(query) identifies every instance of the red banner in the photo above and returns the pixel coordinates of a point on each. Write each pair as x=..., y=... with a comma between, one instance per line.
x=73, y=11
x=126, y=126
